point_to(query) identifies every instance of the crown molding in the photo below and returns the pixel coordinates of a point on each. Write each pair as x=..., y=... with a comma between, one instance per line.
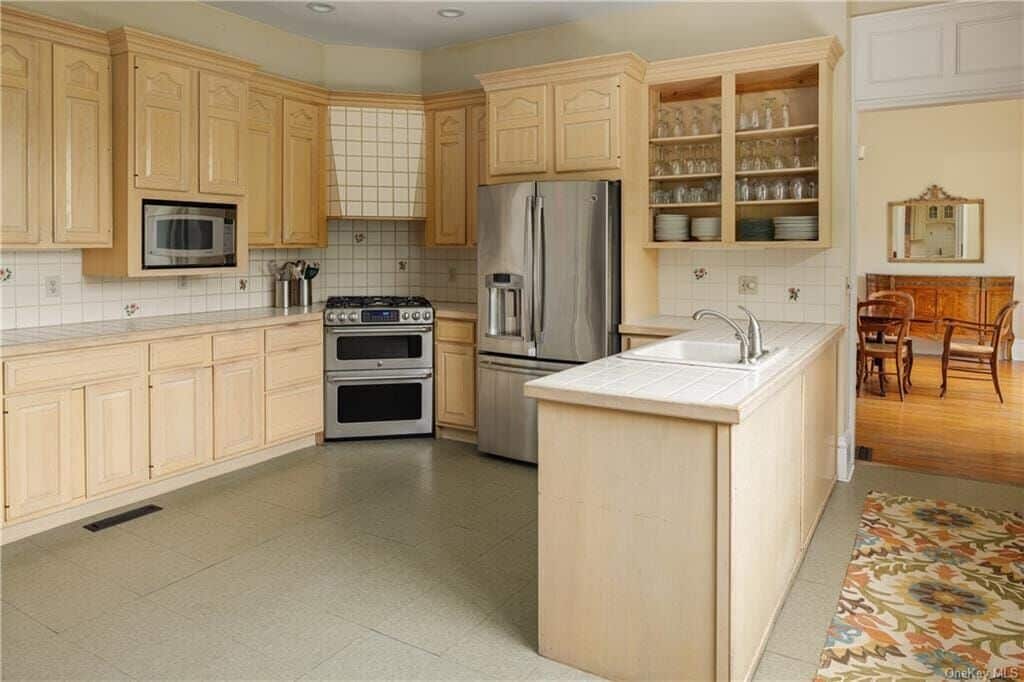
x=40, y=26
x=379, y=100
x=808, y=51
x=279, y=85
x=453, y=99
x=128, y=39
x=626, y=63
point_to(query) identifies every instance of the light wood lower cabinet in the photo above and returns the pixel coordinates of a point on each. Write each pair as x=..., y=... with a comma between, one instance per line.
x=631, y=341
x=237, y=407
x=295, y=411
x=455, y=374
x=180, y=422
x=116, y=435
x=44, y=454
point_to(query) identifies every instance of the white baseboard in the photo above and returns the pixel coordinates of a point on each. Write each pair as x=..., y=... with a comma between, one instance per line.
x=844, y=457
x=1018, y=349
x=145, y=491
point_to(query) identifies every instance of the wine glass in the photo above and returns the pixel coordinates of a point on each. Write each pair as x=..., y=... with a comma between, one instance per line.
x=678, y=129
x=695, y=118
x=769, y=118
x=662, y=129
x=814, y=154
x=778, y=160
x=795, y=158
x=716, y=118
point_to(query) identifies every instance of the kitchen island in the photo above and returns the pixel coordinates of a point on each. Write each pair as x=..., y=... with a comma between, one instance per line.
x=676, y=501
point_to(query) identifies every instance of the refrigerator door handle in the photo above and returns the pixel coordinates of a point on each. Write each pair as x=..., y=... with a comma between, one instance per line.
x=530, y=331
x=538, y=260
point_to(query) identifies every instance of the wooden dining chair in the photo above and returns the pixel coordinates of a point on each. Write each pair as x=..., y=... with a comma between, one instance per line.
x=908, y=301
x=877, y=319
x=971, y=359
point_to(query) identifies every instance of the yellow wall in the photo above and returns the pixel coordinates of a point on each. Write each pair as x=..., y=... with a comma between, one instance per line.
x=972, y=150
x=350, y=67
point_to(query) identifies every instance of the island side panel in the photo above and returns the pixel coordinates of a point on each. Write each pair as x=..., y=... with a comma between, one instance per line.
x=765, y=526
x=627, y=561
x=821, y=431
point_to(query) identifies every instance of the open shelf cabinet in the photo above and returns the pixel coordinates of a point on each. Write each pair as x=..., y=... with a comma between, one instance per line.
x=711, y=143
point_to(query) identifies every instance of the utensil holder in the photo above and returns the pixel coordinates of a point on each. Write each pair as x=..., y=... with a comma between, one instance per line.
x=300, y=292
x=282, y=293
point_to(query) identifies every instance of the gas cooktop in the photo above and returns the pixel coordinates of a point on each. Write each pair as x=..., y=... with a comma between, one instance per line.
x=354, y=310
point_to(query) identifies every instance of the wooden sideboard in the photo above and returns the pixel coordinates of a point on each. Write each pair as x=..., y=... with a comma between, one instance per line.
x=977, y=299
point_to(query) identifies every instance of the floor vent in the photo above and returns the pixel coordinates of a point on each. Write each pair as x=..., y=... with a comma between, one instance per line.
x=864, y=452
x=96, y=526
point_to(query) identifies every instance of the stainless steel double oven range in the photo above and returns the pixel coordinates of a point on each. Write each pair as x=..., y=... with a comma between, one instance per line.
x=379, y=366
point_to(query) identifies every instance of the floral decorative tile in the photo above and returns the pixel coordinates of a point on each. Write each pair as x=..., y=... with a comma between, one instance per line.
x=935, y=590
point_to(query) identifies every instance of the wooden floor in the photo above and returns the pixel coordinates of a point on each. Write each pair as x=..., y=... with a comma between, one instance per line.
x=967, y=433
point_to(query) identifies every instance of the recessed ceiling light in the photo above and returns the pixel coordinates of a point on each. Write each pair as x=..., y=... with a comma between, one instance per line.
x=319, y=7
x=450, y=13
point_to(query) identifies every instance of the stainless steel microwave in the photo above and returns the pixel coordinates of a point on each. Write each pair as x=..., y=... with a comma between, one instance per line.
x=188, y=234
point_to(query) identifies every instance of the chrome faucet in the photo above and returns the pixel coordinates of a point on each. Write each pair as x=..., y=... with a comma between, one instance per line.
x=741, y=336
x=755, y=339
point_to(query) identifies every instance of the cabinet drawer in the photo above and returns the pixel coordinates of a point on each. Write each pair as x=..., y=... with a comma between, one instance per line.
x=238, y=344
x=455, y=331
x=297, y=366
x=294, y=412
x=73, y=368
x=294, y=336
x=187, y=352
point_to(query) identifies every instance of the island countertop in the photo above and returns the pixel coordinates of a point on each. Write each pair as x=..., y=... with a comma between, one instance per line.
x=689, y=391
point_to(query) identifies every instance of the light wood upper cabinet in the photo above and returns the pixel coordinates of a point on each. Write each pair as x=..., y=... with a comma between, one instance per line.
x=476, y=172
x=44, y=455
x=27, y=210
x=222, y=134
x=518, y=124
x=237, y=407
x=82, y=161
x=587, y=124
x=263, y=146
x=165, y=130
x=116, y=435
x=302, y=163
x=450, y=179
x=180, y=420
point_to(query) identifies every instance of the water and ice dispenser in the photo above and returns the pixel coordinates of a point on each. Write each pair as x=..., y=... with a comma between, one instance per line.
x=504, y=304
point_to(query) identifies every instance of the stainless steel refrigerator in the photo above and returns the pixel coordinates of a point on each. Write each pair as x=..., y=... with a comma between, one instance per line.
x=548, y=296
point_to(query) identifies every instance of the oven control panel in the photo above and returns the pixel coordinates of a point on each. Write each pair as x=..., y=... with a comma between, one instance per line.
x=379, y=316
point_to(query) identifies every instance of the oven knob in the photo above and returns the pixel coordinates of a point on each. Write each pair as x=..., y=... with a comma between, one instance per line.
x=405, y=316
x=352, y=317
x=415, y=316
x=332, y=317
x=426, y=316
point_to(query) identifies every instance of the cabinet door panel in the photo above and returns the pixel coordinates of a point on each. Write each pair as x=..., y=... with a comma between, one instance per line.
x=82, y=153
x=819, y=436
x=476, y=172
x=116, y=433
x=26, y=210
x=165, y=135
x=222, y=134
x=294, y=412
x=180, y=415
x=449, y=183
x=301, y=173
x=264, y=150
x=517, y=120
x=44, y=461
x=587, y=125
x=456, y=385
x=237, y=407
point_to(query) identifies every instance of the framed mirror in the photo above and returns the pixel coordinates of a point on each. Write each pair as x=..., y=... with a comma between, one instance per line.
x=936, y=227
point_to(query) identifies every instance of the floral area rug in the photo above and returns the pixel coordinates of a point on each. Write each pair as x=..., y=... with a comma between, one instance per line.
x=935, y=590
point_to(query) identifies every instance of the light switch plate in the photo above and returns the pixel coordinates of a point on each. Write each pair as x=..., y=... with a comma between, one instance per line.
x=748, y=285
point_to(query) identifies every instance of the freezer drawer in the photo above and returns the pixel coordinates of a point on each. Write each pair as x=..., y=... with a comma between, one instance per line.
x=507, y=419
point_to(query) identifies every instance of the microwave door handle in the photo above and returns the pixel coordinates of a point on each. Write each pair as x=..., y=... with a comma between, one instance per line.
x=538, y=278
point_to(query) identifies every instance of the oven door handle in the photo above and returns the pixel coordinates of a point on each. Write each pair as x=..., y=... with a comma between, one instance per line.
x=395, y=331
x=378, y=378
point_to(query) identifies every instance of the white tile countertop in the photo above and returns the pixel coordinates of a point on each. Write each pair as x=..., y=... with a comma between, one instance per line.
x=689, y=391
x=16, y=342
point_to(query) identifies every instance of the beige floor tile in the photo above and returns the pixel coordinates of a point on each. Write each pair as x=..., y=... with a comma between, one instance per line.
x=799, y=631
x=378, y=657
x=53, y=659
x=499, y=648
x=436, y=620
x=778, y=668
x=205, y=540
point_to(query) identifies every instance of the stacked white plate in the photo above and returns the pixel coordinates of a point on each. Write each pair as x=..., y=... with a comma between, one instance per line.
x=796, y=228
x=706, y=229
x=671, y=227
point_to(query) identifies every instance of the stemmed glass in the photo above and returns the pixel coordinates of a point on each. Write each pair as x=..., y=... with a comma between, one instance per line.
x=795, y=160
x=778, y=160
x=769, y=118
x=678, y=129
x=662, y=129
x=716, y=118
x=814, y=155
x=695, y=118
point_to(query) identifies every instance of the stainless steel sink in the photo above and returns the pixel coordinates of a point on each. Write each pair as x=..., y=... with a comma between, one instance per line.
x=703, y=353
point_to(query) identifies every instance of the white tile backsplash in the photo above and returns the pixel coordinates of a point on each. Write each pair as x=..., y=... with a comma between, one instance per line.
x=362, y=257
x=794, y=285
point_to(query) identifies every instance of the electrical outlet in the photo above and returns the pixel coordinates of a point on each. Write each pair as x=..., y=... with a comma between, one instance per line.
x=182, y=282
x=52, y=286
x=748, y=285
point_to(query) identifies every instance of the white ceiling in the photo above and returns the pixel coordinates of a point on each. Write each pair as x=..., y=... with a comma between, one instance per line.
x=416, y=25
